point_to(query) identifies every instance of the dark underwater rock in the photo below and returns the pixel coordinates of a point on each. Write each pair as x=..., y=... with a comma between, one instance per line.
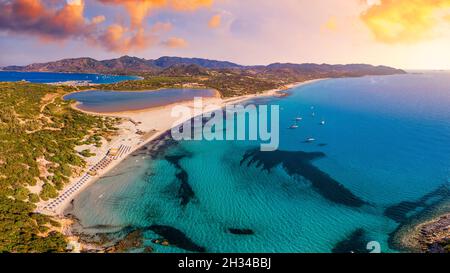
x=402, y=211
x=356, y=242
x=185, y=192
x=299, y=163
x=238, y=231
x=413, y=214
x=176, y=238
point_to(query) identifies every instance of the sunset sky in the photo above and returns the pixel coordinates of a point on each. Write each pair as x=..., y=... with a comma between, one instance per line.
x=409, y=34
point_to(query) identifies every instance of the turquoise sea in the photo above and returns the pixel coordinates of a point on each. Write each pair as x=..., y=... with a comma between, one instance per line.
x=381, y=159
x=48, y=77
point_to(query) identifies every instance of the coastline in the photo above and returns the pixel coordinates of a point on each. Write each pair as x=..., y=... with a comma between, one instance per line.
x=408, y=237
x=137, y=129
x=426, y=232
x=77, y=83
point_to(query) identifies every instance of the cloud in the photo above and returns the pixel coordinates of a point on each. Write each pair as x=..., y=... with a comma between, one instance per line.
x=175, y=42
x=60, y=20
x=161, y=27
x=98, y=19
x=404, y=21
x=140, y=9
x=330, y=25
x=215, y=21
x=116, y=38
x=33, y=17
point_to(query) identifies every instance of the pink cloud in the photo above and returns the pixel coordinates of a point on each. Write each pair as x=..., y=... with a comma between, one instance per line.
x=49, y=21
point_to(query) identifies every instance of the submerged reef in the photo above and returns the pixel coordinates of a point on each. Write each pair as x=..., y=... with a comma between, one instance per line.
x=424, y=225
x=402, y=211
x=356, y=242
x=238, y=231
x=185, y=192
x=120, y=239
x=176, y=238
x=300, y=163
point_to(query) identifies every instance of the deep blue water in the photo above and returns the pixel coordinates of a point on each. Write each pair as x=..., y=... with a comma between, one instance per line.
x=115, y=101
x=385, y=142
x=47, y=77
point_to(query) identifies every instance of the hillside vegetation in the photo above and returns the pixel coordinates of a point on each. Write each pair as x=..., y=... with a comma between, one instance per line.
x=38, y=135
x=228, y=78
x=233, y=82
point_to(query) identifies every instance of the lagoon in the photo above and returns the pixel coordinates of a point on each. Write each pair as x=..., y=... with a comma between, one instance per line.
x=103, y=101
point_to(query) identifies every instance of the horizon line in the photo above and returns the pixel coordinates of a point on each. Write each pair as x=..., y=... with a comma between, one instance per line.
x=230, y=61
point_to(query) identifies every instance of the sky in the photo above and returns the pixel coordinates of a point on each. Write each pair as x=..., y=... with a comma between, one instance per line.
x=408, y=34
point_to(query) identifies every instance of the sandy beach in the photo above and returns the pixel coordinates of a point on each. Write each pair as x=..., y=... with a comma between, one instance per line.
x=137, y=129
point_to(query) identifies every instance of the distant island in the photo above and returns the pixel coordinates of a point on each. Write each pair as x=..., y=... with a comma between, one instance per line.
x=228, y=78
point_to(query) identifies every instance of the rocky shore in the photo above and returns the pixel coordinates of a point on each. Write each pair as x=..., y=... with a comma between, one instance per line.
x=427, y=236
x=434, y=236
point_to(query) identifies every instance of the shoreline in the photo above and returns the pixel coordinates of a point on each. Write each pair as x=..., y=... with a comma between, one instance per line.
x=138, y=128
x=409, y=239
x=424, y=233
x=81, y=73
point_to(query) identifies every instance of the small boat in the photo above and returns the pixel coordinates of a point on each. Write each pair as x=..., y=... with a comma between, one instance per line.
x=293, y=126
x=313, y=114
x=309, y=140
x=299, y=119
x=322, y=122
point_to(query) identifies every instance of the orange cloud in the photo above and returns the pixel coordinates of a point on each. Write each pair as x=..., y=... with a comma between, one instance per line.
x=59, y=20
x=117, y=38
x=404, y=21
x=33, y=17
x=330, y=25
x=98, y=19
x=215, y=21
x=140, y=9
x=175, y=42
x=189, y=5
x=161, y=27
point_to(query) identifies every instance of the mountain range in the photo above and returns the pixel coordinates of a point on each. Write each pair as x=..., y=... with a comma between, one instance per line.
x=122, y=65
x=167, y=65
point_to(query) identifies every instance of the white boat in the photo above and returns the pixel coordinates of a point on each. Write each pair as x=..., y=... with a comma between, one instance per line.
x=322, y=122
x=298, y=119
x=293, y=126
x=310, y=139
x=313, y=114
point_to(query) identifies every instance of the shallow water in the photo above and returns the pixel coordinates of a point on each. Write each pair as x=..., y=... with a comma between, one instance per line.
x=385, y=141
x=103, y=101
x=48, y=77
